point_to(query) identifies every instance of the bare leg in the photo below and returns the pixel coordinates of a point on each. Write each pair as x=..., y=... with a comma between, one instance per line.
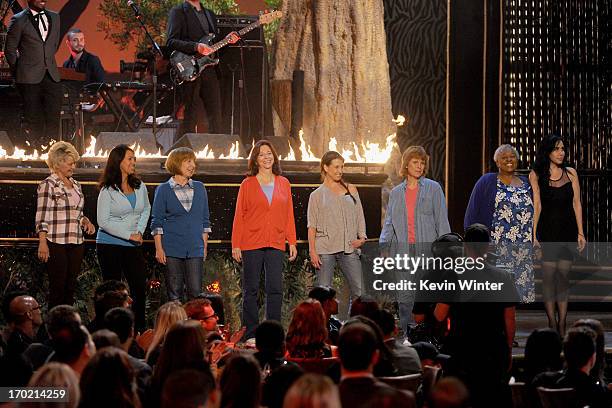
x=548, y=292
x=563, y=269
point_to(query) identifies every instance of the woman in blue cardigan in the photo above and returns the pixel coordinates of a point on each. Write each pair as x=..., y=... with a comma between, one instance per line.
x=180, y=224
x=123, y=212
x=416, y=216
x=503, y=202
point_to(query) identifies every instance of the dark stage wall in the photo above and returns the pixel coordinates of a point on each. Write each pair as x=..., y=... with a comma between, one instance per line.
x=416, y=48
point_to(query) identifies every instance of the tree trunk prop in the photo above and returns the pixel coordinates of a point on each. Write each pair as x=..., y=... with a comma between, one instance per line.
x=340, y=46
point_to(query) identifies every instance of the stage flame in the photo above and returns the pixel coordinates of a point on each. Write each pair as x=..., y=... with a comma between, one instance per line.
x=214, y=287
x=366, y=152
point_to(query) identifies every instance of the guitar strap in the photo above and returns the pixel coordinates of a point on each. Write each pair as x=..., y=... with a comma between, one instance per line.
x=211, y=23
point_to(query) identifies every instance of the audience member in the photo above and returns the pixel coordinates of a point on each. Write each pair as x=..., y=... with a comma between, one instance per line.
x=359, y=354
x=105, y=302
x=312, y=391
x=26, y=318
x=190, y=389
x=270, y=343
x=57, y=318
x=105, y=338
x=73, y=346
x=327, y=297
x=600, y=346
x=184, y=348
x=449, y=392
x=240, y=382
x=364, y=306
x=428, y=328
x=167, y=315
x=108, y=381
x=482, y=328
x=384, y=367
x=6, y=314
x=542, y=353
x=110, y=285
x=277, y=383
x=201, y=309
x=55, y=375
x=579, y=349
x=404, y=357
x=307, y=332
x=122, y=322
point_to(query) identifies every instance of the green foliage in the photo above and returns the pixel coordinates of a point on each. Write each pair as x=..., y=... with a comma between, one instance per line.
x=21, y=270
x=270, y=29
x=122, y=28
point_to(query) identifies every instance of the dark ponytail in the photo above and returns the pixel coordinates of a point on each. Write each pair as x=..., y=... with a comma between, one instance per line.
x=326, y=160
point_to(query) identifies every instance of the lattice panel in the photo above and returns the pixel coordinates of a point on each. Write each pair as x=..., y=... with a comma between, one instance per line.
x=556, y=78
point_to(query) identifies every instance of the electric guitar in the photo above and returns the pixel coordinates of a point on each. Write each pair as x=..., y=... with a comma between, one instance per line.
x=188, y=67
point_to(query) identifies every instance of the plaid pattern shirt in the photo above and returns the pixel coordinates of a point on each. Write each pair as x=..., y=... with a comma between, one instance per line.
x=54, y=213
x=185, y=197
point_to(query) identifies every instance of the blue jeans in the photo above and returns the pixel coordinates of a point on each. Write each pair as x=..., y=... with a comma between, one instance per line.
x=183, y=272
x=253, y=261
x=350, y=265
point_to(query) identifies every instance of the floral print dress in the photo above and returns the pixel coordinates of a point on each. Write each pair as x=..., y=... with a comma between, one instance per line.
x=512, y=232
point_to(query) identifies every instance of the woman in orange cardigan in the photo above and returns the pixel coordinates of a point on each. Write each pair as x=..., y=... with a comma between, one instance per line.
x=262, y=223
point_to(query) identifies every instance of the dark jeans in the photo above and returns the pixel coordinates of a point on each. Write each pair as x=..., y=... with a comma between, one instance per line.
x=41, y=110
x=183, y=272
x=205, y=89
x=253, y=261
x=63, y=267
x=117, y=262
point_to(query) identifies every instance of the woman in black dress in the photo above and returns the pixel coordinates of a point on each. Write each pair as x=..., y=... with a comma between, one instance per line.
x=558, y=220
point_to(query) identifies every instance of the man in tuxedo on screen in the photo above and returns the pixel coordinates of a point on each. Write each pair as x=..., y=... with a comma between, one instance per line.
x=31, y=42
x=188, y=24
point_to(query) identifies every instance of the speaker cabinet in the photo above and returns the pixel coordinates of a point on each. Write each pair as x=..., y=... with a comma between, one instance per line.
x=107, y=140
x=243, y=68
x=220, y=144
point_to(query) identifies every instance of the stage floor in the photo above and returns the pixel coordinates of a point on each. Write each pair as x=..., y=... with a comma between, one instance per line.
x=528, y=320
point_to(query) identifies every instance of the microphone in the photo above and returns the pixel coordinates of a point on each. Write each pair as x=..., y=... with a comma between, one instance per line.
x=134, y=7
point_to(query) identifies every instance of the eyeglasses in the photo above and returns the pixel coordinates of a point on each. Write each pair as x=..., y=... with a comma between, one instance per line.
x=212, y=316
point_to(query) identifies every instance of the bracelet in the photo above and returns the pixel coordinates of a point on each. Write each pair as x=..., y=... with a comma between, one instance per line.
x=581, y=235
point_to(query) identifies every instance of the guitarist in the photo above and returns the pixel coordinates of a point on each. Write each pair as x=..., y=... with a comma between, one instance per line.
x=188, y=23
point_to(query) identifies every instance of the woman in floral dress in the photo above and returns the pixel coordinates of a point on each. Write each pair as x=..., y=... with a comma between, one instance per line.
x=503, y=202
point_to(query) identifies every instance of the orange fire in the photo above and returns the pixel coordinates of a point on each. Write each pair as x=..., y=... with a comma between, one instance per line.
x=214, y=287
x=366, y=152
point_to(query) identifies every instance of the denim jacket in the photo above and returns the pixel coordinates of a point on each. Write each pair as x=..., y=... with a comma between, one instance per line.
x=431, y=215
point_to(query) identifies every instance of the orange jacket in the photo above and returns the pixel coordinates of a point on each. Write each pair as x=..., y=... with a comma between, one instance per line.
x=258, y=224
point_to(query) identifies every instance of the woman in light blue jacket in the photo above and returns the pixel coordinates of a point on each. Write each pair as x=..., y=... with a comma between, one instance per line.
x=416, y=213
x=123, y=214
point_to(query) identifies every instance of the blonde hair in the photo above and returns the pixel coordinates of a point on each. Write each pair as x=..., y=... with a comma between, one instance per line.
x=312, y=391
x=58, y=153
x=168, y=314
x=413, y=152
x=56, y=375
x=177, y=157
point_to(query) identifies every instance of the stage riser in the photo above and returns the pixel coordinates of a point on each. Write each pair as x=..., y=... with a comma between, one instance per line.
x=18, y=201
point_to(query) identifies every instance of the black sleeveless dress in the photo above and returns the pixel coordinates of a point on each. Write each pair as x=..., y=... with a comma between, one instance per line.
x=557, y=223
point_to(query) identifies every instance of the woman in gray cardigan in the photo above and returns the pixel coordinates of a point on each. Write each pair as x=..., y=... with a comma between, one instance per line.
x=416, y=213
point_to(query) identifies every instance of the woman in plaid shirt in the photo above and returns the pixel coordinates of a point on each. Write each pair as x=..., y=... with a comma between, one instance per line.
x=60, y=224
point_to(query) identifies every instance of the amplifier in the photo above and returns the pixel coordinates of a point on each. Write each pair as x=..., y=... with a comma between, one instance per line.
x=227, y=24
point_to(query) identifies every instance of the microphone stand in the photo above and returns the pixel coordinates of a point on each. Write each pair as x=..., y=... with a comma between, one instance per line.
x=156, y=50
